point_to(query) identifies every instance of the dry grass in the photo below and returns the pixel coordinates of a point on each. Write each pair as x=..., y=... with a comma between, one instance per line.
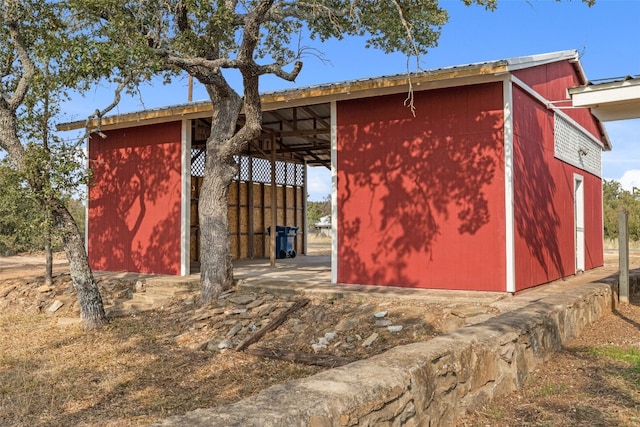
x=147, y=366
x=124, y=375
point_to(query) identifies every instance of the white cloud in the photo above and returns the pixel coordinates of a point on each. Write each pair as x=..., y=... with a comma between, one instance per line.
x=630, y=179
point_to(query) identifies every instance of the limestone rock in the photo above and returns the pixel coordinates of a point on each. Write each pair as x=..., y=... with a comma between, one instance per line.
x=370, y=339
x=55, y=306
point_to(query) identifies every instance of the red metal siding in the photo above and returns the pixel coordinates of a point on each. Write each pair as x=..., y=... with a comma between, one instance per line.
x=544, y=201
x=134, y=203
x=551, y=81
x=421, y=199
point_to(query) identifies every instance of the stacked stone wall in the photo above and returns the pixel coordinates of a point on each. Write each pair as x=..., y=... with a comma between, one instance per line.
x=430, y=383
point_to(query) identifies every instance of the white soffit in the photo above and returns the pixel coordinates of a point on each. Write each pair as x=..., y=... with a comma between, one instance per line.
x=614, y=100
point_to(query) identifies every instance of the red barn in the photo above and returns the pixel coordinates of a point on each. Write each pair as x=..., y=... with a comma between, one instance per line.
x=486, y=181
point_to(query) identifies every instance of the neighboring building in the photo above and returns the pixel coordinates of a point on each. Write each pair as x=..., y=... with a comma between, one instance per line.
x=323, y=227
x=488, y=183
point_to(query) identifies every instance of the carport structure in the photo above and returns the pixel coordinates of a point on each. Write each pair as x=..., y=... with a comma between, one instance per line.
x=147, y=174
x=488, y=183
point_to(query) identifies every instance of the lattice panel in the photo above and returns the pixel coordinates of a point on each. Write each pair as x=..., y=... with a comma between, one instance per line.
x=281, y=173
x=289, y=174
x=243, y=168
x=198, y=158
x=261, y=170
x=574, y=147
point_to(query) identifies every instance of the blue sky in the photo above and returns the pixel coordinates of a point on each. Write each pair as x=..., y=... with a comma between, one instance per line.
x=605, y=35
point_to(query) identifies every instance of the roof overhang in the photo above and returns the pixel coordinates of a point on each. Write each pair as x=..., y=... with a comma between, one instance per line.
x=430, y=79
x=271, y=101
x=609, y=101
x=299, y=119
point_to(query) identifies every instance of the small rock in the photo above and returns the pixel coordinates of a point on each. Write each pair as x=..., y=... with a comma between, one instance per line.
x=330, y=336
x=225, y=344
x=384, y=322
x=44, y=289
x=370, y=339
x=55, y=306
x=265, y=309
x=242, y=299
x=233, y=331
x=140, y=286
x=394, y=328
x=323, y=341
x=318, y=347
x=189, y=301
x=380, y=314
x=256, y=303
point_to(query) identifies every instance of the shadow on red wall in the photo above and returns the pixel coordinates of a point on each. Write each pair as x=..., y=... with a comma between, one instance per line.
x=543, y=211
x=417, y=190
x=134, y=208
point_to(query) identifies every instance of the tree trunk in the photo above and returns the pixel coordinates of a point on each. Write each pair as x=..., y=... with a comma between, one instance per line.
x=216, y=269
x=91, y=307
x=48, y=257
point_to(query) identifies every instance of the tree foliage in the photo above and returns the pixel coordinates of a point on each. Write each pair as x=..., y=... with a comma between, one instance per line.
x=317, y=210
x=616, y=199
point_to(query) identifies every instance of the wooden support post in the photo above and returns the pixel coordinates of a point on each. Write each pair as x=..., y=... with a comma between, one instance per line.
x=251, y=229
x=274, y=203
x=623, y=256
x=305, y=225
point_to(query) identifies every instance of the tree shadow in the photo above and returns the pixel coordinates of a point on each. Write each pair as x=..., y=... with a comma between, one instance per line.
x=414, y=190
x=134, y=207
x=538, y=225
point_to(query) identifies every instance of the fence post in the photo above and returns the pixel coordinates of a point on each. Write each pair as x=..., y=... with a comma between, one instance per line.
x=623, y=256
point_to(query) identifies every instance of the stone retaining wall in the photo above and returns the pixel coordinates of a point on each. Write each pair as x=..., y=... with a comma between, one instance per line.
x=429, y=383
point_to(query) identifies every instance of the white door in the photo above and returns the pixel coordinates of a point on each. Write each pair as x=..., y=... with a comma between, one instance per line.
x=578, y=214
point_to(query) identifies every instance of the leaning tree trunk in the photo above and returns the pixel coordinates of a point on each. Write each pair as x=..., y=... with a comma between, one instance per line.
x=91, y=307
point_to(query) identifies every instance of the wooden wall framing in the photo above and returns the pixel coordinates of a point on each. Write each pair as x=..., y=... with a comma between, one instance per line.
x=249, y=217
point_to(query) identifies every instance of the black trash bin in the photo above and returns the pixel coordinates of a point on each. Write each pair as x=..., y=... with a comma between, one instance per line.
x=284, y=241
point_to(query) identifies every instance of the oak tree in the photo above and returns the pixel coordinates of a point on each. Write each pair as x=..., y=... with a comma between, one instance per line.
x=34, y=44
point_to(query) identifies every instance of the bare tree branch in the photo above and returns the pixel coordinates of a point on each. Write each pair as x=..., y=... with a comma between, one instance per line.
x=99, y=114
x=28, y=67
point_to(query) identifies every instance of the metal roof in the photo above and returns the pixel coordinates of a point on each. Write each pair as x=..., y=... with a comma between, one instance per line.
x=300, y=118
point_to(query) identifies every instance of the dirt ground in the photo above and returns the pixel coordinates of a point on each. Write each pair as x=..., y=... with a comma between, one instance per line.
x=148, y=364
